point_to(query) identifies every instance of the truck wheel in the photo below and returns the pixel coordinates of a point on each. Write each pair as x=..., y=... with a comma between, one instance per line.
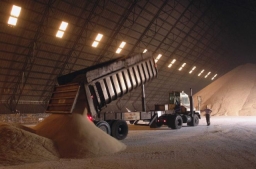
x=175, y=122
x=119, y=129
x=103, y=125
x=110, y=122
x=196, y=121
x=186, y=118
x=196, y=118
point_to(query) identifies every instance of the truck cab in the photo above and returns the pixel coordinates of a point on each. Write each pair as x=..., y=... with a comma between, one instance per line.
x=180, y=101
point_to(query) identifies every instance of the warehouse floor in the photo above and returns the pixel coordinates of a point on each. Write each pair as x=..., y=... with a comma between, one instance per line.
x=230, y=142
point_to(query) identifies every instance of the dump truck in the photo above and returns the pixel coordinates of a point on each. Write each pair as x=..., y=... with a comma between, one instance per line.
x=89, y=90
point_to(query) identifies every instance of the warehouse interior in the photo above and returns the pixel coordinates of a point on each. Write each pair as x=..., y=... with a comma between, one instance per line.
x=204, y=39
x=202, y=47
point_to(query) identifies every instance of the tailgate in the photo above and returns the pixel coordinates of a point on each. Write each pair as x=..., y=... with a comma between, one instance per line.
x=63, y=99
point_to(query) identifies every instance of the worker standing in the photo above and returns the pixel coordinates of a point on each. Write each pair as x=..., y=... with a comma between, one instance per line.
x=207, y=114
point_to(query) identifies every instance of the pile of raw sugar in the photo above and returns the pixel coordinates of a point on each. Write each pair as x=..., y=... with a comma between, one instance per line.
x=233, y=94
x=19, y=146
x=58, y=136
x=77, y=137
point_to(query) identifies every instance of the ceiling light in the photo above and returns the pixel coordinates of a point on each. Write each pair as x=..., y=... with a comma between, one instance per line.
x=159, y=56
x=12, y=21
x=192, y=69
x=97, y=40
x=99, y=37
x=207, y=74
x=118, y=50
x=122, y=45
x=60, y=34
x=15, y=11
x=95, y=44
x=201, y=72
x=170, y=65
x=182, y=66
x=145, y=50
x=214, y=76
x=63, y=26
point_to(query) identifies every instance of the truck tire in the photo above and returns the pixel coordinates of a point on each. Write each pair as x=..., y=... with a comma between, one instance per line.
x=104, y=126
x=119, y=129
x=110, y=122
x=175, y=122
x=196, y=121
x=186, y=118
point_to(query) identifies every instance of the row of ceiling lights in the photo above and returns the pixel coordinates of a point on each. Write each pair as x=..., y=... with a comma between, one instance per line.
x=15, y=12
x=183, y=65
x=98, y=39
